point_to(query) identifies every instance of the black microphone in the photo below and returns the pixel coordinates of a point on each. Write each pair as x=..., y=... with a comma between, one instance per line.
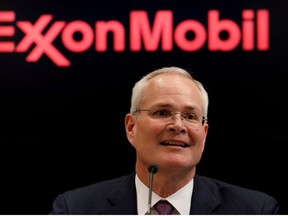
x=152, y=169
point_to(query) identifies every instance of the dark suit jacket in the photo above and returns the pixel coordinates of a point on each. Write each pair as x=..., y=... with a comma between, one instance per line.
x=118, y=196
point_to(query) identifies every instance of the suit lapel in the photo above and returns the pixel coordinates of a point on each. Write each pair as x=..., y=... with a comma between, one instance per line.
x=203, y=200
x=123, y=197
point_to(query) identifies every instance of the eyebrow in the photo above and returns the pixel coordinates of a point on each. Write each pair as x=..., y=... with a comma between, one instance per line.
x=167, y=105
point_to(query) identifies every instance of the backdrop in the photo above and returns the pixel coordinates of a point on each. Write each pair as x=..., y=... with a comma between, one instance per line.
x=66, y=73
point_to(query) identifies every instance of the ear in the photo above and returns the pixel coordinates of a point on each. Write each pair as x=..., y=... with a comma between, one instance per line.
x=129, y=127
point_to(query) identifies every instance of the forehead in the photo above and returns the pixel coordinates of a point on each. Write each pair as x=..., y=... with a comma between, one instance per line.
x=171, y=87
x=174, y=83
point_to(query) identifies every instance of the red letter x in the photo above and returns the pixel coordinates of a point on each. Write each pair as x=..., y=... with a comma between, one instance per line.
x=43, y=42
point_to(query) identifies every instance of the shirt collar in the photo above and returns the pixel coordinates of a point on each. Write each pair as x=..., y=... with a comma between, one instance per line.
x=181, y=199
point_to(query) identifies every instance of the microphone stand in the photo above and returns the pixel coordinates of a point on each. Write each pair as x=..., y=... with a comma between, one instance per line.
x=152, y=169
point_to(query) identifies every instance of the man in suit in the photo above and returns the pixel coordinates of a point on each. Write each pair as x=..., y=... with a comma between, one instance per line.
x=167, y=125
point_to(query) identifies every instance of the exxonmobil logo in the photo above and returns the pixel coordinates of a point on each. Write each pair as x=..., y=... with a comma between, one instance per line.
x=142, y=35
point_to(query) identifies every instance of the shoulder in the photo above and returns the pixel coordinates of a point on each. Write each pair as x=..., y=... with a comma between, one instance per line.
x=100, y=187
x=94, y=198
x=218, y=186
x=233, y=196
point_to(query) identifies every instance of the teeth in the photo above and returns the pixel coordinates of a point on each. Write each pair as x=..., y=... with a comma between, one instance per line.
x=175, y=143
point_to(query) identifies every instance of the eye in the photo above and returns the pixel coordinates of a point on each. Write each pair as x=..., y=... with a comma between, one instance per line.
x=162, y=113
x=189, y=116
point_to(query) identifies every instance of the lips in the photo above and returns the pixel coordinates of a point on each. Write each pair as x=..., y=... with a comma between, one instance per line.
x=178, y=144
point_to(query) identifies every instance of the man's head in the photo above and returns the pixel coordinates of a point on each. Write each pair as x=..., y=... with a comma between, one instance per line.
x=167, y=121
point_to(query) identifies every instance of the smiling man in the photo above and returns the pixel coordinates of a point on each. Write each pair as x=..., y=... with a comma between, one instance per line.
x=167, y=125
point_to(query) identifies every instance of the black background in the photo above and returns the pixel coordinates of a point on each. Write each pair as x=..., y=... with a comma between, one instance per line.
x=63, y=127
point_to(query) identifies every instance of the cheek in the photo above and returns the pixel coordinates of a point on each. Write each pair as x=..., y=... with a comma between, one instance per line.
x=152, y=127
x=197, y=138
x=148, y=130
x=200, y=140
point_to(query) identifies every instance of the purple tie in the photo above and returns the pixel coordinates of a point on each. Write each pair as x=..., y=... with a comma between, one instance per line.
x=163, y=207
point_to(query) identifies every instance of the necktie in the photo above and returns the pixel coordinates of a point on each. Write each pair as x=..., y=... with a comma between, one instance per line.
x=163, y=207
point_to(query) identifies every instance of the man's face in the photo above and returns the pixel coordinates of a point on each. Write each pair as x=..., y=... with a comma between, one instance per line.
x=170, y=142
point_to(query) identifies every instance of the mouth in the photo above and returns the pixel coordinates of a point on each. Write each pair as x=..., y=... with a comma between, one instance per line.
x=177, y=144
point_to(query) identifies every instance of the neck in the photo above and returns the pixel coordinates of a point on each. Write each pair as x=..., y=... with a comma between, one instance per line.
x=166, y=182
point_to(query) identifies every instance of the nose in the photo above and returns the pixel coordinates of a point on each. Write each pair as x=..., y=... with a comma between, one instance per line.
x=177, y=125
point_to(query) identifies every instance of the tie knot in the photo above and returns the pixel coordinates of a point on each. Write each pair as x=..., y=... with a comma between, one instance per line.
x=163, y=207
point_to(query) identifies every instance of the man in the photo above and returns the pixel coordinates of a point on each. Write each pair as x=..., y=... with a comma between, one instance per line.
x=167, y=126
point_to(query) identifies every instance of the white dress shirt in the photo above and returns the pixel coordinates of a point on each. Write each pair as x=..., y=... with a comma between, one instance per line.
x=181, y=199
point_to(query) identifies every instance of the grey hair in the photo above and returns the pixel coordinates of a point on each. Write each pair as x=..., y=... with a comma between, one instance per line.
x=140, y=86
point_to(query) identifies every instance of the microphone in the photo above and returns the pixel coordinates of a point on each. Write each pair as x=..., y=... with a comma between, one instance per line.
x=152, y=169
